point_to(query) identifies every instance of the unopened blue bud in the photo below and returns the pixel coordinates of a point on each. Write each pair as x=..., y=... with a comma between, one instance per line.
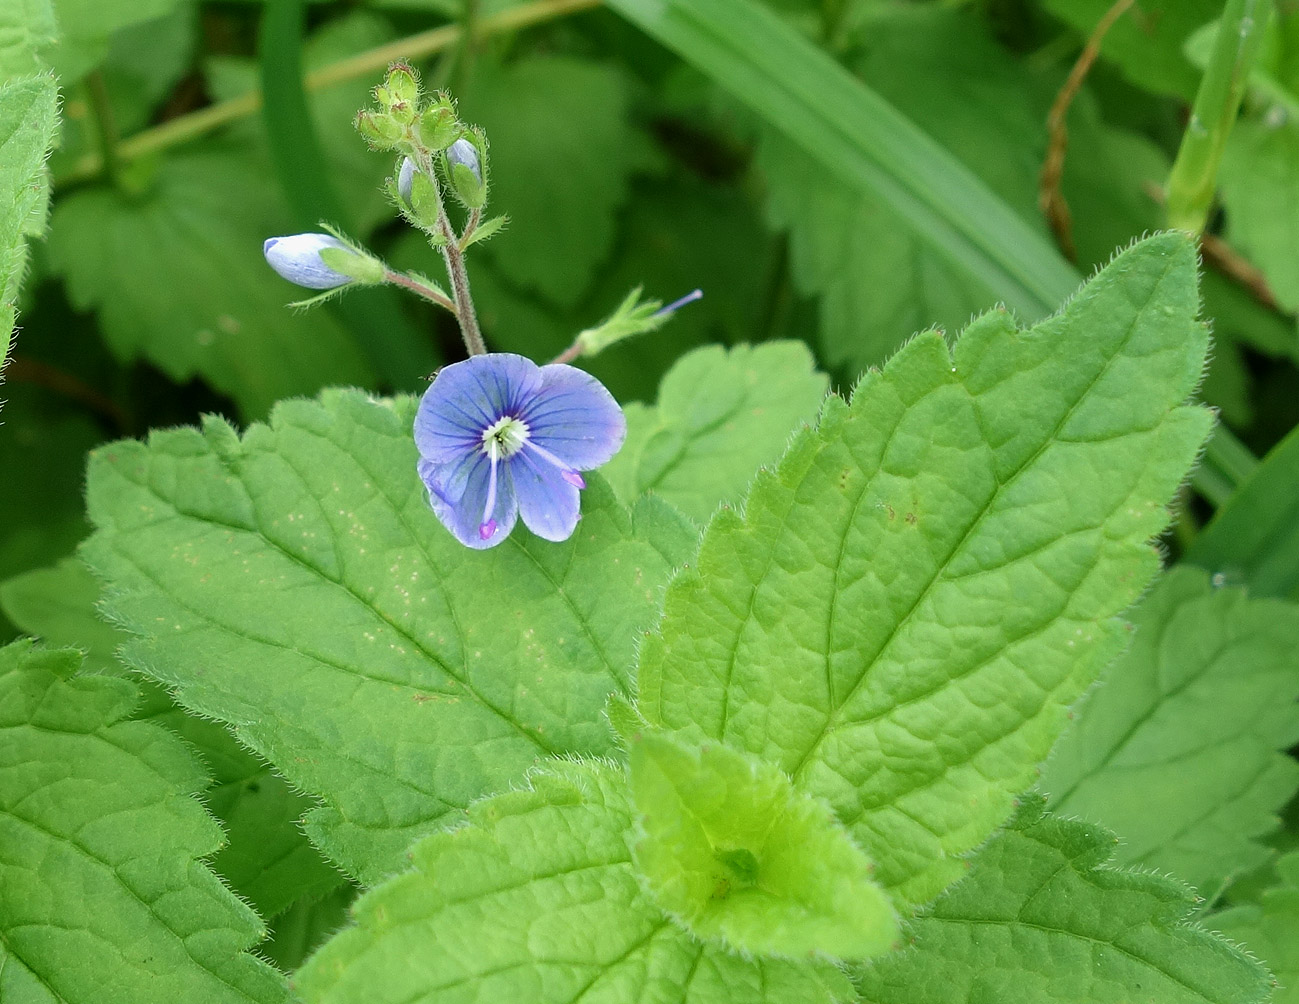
x=462, y=152
x=406, y=179
x=297, y=258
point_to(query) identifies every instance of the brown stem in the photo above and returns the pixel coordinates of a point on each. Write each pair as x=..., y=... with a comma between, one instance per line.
x=569, y=354
x=1051, y=199
x=23, y=369
x=455, y=261
x=1226, y=260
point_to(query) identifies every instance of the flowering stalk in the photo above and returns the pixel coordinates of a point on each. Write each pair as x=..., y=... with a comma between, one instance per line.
x=453, y=256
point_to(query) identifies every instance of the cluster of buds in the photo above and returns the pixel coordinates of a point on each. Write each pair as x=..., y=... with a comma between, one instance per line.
x=430, y=137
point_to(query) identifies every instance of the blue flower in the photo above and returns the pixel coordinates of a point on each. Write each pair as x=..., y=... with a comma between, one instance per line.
x=500, y=437
x=297, y=259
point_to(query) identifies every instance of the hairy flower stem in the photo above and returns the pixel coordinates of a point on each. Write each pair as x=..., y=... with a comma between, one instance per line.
x=418, y=288
x=455, y=261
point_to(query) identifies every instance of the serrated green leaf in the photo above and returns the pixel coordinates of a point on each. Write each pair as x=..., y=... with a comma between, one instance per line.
x=725, y=845
x=57, y=605
x=200, y=226
x=1253, y=539
x=1147, y=42
x=720, y=415
x=1042, y=919
x=1181, y=750
x=910, y=602
x=1260, y=191
x=295, y=584
x=305, y=926
x=561, y=152
x=28, y=119
x=105, y=899
x=1270, y=929
x=879, y=280
x=535, y=899
x=266, y=858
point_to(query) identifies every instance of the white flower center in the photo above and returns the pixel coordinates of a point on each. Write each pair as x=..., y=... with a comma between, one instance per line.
x=504, y=438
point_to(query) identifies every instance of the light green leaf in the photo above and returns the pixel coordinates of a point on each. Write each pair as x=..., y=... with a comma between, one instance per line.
x=27, y=31
x=266, y=858
x=1181, y=750
x=1148, y=41
x=535, y=900
x=911, y=601
x=1260, y=190
x=1042, y=919
x=57, y=604
x=1270, y=929
x=295, y=584
x=200, y=226
x=562, y=151
x=720, y=415
x=106, y=900
x=28, y=118
x=727, y=847
x=1254, y=539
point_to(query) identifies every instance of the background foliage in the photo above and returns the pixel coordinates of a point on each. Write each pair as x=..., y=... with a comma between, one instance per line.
x=836, y=175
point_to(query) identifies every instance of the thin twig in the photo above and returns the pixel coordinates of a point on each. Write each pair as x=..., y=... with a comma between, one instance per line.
x=24, y=369
x=427, y=43
x=1050, y=198
x=1230, y=263
x=454, y=258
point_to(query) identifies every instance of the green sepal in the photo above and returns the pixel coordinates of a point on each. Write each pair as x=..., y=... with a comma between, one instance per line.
x=727, y=847
x=485, y=231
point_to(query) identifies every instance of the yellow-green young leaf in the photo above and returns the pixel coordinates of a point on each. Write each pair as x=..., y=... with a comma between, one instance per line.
x=28, y=117
x=1270, y=928
x=1042, y=919
x=909, y=604
x=725, y=845
x=295, y=584
x=535, y=900
x=27, y=31
x=1181, y=750
x=103, y=896
x=721, y=414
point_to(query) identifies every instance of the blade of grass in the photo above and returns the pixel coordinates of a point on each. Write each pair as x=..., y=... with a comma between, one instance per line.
x=855, y=134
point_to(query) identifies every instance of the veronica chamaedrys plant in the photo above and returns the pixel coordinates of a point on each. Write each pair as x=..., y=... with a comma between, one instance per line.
x=305, y=260
x=500, y=437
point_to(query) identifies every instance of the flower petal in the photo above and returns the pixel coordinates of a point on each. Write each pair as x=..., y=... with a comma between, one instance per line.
x=547, y=501
x=575, y=418
x=467, y=397
x=464, y=516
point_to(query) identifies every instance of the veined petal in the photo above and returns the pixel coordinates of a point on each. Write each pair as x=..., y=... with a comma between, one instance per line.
x=465, y=398
x=574, y=417
x=464, y=516
x=547, y=501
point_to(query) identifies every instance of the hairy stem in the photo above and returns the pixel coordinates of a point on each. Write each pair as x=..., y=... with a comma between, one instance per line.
x=418, y=288
x=455, y=261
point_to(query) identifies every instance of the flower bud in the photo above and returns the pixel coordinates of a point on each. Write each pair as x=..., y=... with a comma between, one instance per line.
x=405, y=179
x=319, y=261
x=380, y=130
x=438, y=128
x=402, y=85
x=464, y=170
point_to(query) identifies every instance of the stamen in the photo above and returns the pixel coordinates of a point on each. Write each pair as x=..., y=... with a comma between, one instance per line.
x=569, y=474
x=488, y=526
x=675, y=305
